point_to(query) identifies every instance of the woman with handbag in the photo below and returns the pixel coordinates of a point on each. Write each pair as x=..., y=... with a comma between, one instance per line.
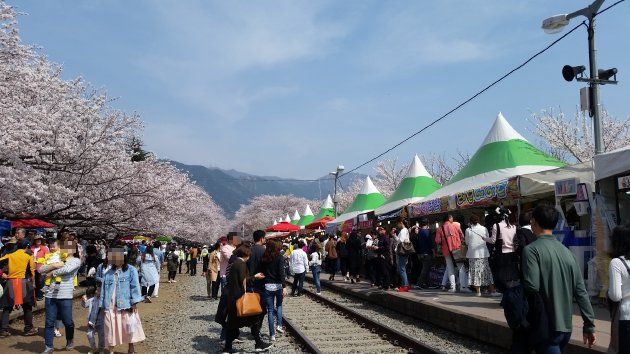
x=503, y=236
x=449, y=237
x=479, y=272
x=235, y=289
x=403, y=249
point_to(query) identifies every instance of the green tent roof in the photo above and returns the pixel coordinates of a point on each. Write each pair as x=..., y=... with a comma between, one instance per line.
x=307, y=217
x=417, y=184
x=503, y=154
x=367, y=200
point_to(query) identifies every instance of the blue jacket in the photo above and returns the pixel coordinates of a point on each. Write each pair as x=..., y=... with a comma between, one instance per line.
x=128, y=292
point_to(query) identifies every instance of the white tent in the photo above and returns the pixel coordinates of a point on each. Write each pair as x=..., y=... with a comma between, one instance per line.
x=612, y=163
x=544, y=182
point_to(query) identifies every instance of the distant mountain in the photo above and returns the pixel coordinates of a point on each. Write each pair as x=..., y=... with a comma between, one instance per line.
x=230, y=188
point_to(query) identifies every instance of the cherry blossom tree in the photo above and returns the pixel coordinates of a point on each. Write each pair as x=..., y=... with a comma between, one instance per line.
x=65, y=156
x=263, y=209
x=570, y=138
x=443, y=168
x=389, y=175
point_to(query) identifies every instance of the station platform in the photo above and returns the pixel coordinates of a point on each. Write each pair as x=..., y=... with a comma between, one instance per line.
x=480, y=318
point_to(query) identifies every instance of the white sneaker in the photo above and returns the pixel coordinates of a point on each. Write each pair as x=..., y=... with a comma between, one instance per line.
x=174, y=281
x=57, y=333
x=318, y=293
x=279, y=329
x=273, y=338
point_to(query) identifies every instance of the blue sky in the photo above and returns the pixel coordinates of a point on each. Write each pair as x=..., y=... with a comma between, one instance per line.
x=293, y=88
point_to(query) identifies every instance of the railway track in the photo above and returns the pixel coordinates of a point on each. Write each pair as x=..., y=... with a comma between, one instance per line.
x=325, y=326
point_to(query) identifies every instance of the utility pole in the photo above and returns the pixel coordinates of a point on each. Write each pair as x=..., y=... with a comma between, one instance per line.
x=336, y=174
x=597, y=77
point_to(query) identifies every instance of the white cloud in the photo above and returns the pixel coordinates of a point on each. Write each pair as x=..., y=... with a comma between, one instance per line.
x=213, y=47
x=421, y=33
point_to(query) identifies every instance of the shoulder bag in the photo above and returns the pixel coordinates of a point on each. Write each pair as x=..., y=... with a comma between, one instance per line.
x=405, y=248
x=248, y=304
x=457, y=254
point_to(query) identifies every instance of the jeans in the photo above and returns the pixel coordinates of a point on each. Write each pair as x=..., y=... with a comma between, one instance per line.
x=58, y=309
x=298, y=283
x=556, y=343
x=273, y=311
x=316, y=270
x=424, y=261
x=193, y=267
x=402, y=268
x=28, y=317
x=99, y=330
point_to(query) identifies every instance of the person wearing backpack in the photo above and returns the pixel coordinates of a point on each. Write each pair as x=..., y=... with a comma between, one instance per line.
x=619, y=290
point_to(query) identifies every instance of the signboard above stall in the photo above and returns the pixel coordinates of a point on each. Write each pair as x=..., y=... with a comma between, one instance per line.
x=496, y=193
x=623, y=182
x=566, y=187
x=366, y=221
x=488, y=195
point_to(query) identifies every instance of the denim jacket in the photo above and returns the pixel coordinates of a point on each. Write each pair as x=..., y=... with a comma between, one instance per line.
x=128, y=289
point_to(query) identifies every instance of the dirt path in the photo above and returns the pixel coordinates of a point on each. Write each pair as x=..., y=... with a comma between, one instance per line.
x=180, y=320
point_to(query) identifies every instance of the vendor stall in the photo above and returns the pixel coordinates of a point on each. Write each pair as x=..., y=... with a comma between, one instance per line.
x=612, y=173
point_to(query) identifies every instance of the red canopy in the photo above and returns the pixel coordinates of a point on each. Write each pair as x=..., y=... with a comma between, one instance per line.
x=320, y=223
x=31, y=224
x=283, y=226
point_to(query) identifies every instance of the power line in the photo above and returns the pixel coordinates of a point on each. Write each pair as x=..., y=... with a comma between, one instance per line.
x=471, y=98
x=609, y=7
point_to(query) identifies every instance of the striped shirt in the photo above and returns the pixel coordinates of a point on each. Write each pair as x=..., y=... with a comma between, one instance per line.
x=65, y=289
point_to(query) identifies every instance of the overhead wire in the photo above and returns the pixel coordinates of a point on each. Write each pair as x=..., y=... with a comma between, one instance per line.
x=468, y=100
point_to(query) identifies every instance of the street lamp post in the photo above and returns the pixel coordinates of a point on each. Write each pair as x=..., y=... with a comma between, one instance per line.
x=336, y=174
x=556, y=24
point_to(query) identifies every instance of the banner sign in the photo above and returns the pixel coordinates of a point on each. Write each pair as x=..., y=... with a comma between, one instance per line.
x=366, y=221
x=487, y=195
x=391, y=215
x=434, y=206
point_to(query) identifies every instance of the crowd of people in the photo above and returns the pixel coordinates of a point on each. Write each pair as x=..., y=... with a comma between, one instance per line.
x=537, y=277
x=116, y=275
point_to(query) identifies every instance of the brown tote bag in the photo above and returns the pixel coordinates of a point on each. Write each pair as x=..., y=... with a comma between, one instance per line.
x=248, y=304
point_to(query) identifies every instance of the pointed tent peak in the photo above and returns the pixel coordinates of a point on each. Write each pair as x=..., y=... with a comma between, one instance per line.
x=369, y=187
x=287, y=218
x=296, y=216
x=275, y=222
x=308, y=210
x=328, y=204
x=417, y=169
x=501, y=131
